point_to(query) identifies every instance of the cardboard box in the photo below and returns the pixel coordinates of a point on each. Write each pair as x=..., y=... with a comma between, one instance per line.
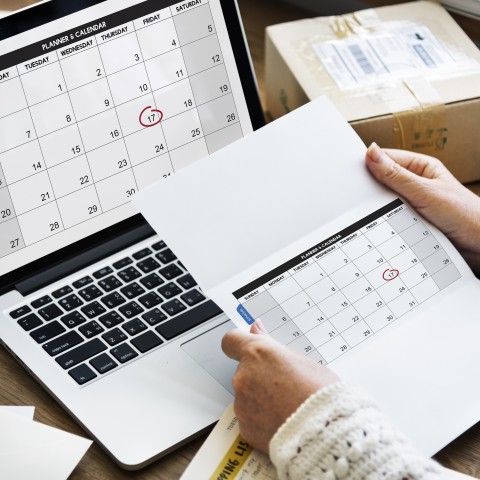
x=405, y=76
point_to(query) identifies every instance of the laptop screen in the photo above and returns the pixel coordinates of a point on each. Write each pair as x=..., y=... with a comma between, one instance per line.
x=100, y=103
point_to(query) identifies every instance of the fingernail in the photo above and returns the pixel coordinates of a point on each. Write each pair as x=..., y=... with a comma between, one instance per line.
x=375, y=153
x=259, y=326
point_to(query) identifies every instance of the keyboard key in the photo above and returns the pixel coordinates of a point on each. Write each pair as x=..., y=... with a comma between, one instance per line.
x=110, y=283
x=50, y=312
x=114, y=337
x=170, y=290
x=151, y=281
x=113, y=300
x=124, y=352
x=142, y=254
x=173, y=307
x=91, y=329
x=111, y=319
x=122, y=263
x=93, y=310
x=146, y=341
x=166, y=256
x=159, y=245
x=187, y=282
x=73, y=319
x=90, y=293
x=61, y=292
x=148, y=265
x=19, y=312
x=82, y=374
x=188, y=320
x=134, y=327
x=40, y=302
x=171, y=272
x=81, y=353
x=154, y=317
x=48, y=331
x=83, y=282
x=103, y=272
x=63, y=343
x=70, y=303
x=150, y=300
x=103, y=363
x=131, y=309
x=29, y=322
x=129, y=274
x=133, y=290
x=192, y=297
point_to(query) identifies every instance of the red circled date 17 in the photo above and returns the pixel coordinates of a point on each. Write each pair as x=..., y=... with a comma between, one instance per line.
x=390, y=274
x=149, y=117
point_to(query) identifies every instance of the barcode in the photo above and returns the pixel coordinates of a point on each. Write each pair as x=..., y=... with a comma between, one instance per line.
x=423, y=54
x=361, y=59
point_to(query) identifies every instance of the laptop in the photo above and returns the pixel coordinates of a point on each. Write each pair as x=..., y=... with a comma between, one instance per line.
x=98, y=99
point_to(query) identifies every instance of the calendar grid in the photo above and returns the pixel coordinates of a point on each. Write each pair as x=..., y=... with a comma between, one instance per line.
x=155, y=102
x=83, y=103
x=228, y=76
x=54, y=224
x=81, y=141
x=323, y=303
x=118, y=119
x=188, y=76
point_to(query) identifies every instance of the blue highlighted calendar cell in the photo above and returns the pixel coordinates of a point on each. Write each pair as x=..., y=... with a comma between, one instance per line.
x=245, y=315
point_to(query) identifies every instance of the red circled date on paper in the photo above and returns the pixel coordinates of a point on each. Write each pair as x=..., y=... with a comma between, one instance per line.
x=149, y=117
x=390, y=274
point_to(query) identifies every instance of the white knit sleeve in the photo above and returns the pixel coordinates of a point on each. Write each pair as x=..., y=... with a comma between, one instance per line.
x=340, y=433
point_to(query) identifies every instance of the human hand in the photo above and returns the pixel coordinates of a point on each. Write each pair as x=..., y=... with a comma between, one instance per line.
x=270, y=383
x=434, y=192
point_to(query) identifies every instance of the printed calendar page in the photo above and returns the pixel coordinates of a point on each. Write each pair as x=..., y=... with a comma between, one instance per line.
x=346, y=288
x=98, y=105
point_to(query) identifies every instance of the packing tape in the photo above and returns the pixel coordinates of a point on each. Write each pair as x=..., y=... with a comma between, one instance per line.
x=422, y=128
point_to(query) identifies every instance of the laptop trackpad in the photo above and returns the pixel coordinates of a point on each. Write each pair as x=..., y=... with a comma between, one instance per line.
x=206, y=350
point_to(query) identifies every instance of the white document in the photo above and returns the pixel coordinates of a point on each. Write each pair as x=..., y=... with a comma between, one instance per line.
x=225, y=455
x=25, y=412
x=287, y=225
x=32, y=450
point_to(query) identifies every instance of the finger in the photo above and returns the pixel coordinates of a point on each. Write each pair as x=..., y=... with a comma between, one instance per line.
x=391, y=173
x=233, y=343
x=258, y=328
x=419, y=164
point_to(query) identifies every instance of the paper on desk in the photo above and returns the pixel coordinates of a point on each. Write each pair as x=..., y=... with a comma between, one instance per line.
x=26, y=412
x=30, y=450
x=226, y=455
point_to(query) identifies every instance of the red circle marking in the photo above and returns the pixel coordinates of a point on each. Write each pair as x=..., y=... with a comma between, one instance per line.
x=150, y=110
x=395, y=272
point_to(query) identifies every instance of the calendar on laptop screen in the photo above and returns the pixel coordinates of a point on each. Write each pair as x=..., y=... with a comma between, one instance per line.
x=98, y=105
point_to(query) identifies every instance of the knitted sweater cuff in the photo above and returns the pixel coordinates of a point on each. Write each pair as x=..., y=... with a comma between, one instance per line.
x=340, y=433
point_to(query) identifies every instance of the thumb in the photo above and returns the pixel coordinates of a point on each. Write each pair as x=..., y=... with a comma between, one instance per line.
x=258, y=328
x=390, y=173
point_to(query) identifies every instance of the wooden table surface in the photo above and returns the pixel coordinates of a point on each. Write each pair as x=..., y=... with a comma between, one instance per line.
x=17, y=387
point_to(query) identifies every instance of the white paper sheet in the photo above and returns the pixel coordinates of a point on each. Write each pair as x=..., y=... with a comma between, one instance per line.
x=25, y=412
x=290, y=191
x=226, y=455
x=30, y=450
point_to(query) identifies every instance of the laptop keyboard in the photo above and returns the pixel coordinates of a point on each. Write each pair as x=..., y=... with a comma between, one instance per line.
x=117, y=313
